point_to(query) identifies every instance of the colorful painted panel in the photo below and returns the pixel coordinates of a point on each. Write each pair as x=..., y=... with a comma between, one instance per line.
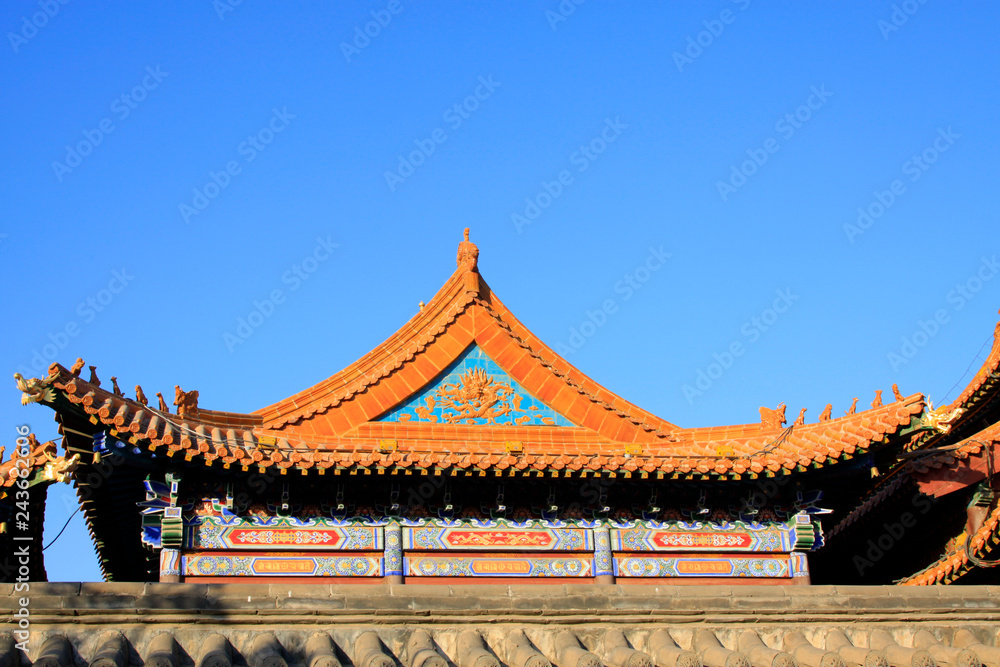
x=736, y=536
x=429, y=538
x=496, y=566
x=475, y=390
x=282, y=565
x=703, y=566
x=800, y=565
x=214, y=532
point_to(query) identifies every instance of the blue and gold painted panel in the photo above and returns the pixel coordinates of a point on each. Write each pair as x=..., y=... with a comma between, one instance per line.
x=736, y=536
x=499, y=565
x=217, y=532
x=281, y=565
x=777, y=566
x=475, y=390
x=431, y=538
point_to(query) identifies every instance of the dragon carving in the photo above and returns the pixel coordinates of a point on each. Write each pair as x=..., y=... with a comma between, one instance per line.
x=941, y=420
x=34, y=390
x=771, y=418
x=186, y=402
x=37, y=455
x=478, y=396
x=59, y=468
x=425, y=412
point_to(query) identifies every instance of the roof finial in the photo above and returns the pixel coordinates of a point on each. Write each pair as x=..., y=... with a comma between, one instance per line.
x=468, y=254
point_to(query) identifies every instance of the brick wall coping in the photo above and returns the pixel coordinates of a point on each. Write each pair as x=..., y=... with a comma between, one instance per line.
x=277, y=603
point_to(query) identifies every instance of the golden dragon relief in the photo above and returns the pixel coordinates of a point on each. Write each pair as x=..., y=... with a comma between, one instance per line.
x=476, y=395
x=939, y=419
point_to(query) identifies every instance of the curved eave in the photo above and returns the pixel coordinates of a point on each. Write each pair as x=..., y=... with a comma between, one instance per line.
x=986, y=378
x=875, y=499
x=410, y=340
x=463, y=312
x=36, y=460
x=951, y=566
x=984, y=386
x=694, y=456
x=920, y=474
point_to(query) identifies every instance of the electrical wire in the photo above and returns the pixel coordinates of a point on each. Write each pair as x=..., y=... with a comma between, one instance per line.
x=976, y=560
x=974, y=360
x=65, y=525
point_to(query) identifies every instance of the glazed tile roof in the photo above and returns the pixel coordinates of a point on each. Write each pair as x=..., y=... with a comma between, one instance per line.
x=710, y=451
x=334, y=424
x=985, y=378
x=44, y=457
x=980, y=391
x=956, y=562
x=920, y=471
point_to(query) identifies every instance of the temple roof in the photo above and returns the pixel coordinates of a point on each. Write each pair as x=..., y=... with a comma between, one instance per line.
x=42, y=457
x=465, y=386
x=950, y=455
x=967, y=410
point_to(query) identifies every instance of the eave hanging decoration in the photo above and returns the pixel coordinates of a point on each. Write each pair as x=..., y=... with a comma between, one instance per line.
x=162, y=518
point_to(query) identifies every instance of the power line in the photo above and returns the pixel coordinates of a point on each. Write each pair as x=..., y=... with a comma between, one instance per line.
x=63, y=529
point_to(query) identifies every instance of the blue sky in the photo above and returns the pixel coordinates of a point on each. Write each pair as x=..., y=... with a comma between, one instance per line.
x=170, y=165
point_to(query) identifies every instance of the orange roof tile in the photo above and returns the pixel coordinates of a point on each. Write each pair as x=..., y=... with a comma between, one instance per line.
x=331, y=424
x=42, y=456
x=953, y=565
x=983, y=385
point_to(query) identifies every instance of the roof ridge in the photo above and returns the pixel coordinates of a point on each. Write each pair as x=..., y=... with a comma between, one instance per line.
x=550, y=359
x=430, y=322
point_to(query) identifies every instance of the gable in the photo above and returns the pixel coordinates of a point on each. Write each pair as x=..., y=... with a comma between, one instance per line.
x=475, y=390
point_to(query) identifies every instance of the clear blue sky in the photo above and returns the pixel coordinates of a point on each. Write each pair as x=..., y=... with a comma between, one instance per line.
x=642, y=109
